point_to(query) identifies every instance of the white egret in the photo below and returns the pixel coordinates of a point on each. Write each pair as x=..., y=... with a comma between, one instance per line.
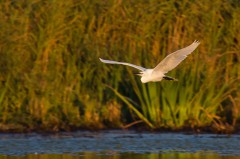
x=167, y=64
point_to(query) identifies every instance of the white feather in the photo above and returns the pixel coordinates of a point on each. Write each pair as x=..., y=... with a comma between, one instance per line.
x=166, y=65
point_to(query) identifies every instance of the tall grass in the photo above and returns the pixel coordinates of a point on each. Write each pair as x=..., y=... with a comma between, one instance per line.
x=51, y=77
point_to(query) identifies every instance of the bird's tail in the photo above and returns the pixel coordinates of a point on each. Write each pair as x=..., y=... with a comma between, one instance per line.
x=169, y=78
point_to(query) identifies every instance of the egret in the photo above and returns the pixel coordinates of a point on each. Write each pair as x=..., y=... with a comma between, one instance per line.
x=167, y=64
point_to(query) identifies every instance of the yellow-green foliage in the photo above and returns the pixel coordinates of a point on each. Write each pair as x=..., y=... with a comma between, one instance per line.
x=51, y=78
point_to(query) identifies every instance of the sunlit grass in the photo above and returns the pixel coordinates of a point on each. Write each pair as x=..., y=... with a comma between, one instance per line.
x=51, y=77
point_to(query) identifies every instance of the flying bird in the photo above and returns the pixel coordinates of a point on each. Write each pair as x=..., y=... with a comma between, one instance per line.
x=167, y=64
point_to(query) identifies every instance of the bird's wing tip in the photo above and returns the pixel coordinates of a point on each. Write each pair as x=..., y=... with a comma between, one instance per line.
x=197, y=41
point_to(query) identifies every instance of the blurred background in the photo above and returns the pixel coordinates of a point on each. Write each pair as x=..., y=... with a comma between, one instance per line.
x=51, y=78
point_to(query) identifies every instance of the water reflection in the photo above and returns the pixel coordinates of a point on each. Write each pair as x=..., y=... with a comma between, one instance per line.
x=106, y=155
x=119, y=144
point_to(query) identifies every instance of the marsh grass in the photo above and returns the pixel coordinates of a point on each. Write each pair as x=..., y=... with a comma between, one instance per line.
x=51, y=77
x=173, y=104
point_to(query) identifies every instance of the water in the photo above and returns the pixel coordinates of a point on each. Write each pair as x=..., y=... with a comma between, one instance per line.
x=118, y=144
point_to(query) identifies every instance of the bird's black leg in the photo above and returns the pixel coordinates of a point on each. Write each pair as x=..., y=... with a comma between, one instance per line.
x=169, y=78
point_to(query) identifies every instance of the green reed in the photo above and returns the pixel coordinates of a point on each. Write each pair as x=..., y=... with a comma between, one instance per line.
x=51, y=77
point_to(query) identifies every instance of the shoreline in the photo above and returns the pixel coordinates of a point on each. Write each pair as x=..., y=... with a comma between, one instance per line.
x=186, y=130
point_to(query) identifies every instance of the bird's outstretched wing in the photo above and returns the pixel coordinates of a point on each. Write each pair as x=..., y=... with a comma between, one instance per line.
x=123, y=63
x=175, y=58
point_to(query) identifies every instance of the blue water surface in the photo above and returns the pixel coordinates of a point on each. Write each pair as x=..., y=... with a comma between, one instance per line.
x=118, y=141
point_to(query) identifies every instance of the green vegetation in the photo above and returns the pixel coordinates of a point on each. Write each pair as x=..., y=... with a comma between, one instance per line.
x=51, y=77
